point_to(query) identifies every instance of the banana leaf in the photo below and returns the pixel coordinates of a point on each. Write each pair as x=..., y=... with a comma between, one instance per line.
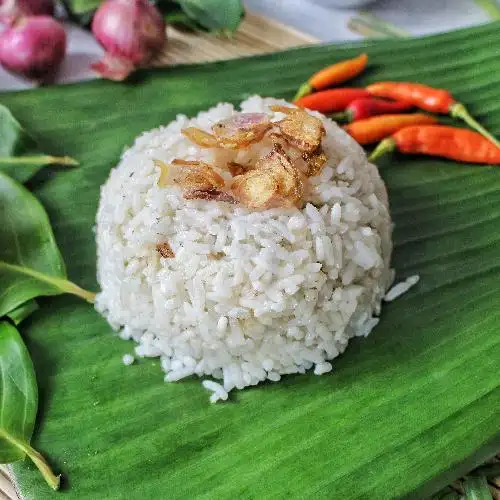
x=404, y=412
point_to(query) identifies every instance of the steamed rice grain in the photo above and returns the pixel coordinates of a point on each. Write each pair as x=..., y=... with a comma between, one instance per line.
x=250, y=295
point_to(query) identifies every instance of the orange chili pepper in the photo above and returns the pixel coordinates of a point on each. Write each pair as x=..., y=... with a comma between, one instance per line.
x=458, y=144
x=430, y=99
x=332, y=100
x=379, y=127
x=333, y=75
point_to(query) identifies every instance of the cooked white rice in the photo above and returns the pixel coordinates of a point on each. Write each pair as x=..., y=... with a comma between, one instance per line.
x=127, y=359
x=401, y=288
x=292, y=288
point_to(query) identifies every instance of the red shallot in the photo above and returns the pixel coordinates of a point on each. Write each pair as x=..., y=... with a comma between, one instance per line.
x=131, y=32
x=11, y=10
x=33, y=47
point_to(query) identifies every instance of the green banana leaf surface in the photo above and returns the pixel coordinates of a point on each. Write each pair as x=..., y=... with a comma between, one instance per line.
x=404, y=412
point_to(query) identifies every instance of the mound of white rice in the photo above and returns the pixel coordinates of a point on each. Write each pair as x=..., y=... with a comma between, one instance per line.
x=287, y=288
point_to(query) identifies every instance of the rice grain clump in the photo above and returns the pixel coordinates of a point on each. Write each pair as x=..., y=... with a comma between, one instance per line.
x=236, y=293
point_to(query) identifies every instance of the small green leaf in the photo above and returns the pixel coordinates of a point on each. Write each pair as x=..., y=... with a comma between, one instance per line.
x=83, y=18
x=18, y=403
x=215, y=15
x=476, y=488
x=20, y=155
x=30, y=262
x=20, y=313
x=181, y=20
x=175, y=16
x=19, y=397
x=81, y=7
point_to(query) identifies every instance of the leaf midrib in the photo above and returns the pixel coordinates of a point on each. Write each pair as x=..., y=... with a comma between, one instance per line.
x=63, y=285
x=15, y=238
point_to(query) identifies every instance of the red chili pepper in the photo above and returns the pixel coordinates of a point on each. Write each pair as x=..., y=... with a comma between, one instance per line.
x=458, y=144
x=360, y=109
x=333, y=75
x=379, y=127
x=329, y=101
x=430, y=99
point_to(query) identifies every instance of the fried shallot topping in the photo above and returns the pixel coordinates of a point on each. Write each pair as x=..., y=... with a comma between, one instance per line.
x=258, y=189
x=314, y=162
x=280, y=108
x=188, y=174
x=198, y=180
x=278, y=163
x=275, y=182
x=201, y=138
x=237, y=132
x=165, y=250
x=243, y=128
x=216, y=255
x=211, y=194
x=165, y=172
x=238, y=168
x=197, y=175
x=300, y=129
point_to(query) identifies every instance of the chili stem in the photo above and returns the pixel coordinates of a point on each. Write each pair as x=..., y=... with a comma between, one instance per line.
x=340, y=117
x=304, y=89
x=491, y=7
x=460, y=111
x=385, y=146
x=40, y=160
x=52, y=480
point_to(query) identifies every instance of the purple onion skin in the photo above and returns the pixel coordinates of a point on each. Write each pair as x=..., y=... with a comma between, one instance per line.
x=131, y=32
x=12, y=10
x=34, y=47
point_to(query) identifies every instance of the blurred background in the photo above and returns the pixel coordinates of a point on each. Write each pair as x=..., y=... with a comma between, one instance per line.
x=321, y=20
x=325, y=20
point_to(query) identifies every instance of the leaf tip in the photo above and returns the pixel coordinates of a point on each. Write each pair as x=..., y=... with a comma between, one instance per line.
x=71, y=161
x=56, y=482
